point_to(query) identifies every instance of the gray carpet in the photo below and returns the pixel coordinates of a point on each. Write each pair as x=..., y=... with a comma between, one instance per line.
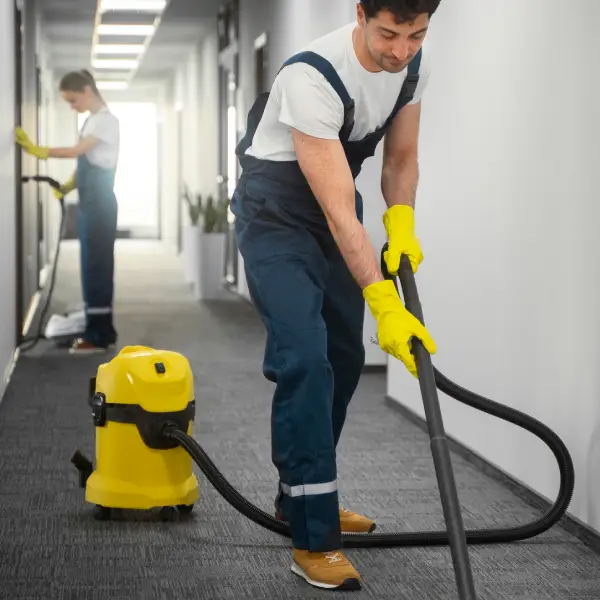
x=52, y=548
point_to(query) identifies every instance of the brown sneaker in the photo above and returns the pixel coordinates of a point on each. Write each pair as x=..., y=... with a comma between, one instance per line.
x=326, y=570
x=81, y=346
x=352, y=522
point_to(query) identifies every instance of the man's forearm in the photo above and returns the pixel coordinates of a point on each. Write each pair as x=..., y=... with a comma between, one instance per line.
x=399, y=181
x=356, y=249
x=326, y=168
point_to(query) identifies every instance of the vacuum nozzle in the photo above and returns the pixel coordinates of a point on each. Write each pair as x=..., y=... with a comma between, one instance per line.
x=84, y=466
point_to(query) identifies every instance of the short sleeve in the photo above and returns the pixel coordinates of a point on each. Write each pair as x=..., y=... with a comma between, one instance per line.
x=308, y=103
x=104, y=126
x=424, y=73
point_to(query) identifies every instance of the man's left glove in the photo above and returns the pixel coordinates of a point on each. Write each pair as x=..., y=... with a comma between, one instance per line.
x=23, y=140
x=399, y=221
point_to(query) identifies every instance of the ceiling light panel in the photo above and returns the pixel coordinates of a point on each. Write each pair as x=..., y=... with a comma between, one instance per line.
x=154, y=6
x=114, y=64
x=120, y=49
x=129, y=30
x=128, y=18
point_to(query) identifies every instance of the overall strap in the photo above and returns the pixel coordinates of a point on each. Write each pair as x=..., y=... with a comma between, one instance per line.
x=327, y=70
x=331, y=75
x=407, y=93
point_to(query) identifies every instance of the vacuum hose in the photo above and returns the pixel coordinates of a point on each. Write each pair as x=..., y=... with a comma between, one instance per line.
x=417, y=538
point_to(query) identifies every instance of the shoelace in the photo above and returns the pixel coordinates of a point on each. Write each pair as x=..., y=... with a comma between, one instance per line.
x=333, y=557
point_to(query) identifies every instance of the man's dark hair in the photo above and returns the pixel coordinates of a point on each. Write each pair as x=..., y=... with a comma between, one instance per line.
x=403, y=10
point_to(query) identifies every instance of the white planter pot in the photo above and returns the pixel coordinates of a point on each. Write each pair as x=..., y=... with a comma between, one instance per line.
x=191, y=252
x=208, y=284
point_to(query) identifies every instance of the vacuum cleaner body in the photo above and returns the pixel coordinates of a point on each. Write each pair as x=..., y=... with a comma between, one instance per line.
x=134, y=396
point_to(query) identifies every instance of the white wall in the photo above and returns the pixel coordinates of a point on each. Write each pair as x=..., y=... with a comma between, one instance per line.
x=508, y=215
x=207, y=162
x=8, y=186
x=169, y=159
x=290, y=25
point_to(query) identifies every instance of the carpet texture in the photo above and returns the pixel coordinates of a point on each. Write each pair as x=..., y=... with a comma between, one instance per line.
x=52, y=548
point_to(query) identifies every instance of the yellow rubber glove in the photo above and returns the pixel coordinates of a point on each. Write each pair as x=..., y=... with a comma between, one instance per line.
x=399, y=221
x=396, y=325
x=23, y=140
x=65, y=189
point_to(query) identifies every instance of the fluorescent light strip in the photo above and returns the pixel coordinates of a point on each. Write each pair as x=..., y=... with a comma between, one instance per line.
x=112, y=85
x=133, y=5
x=142, y=30
x=114, y=64
x=133, y=49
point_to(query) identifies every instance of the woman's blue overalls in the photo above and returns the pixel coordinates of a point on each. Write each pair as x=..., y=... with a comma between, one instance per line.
x=313, y=311
x=97, y=227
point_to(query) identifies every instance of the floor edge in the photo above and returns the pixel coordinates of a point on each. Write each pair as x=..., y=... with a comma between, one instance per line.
x=586, y=534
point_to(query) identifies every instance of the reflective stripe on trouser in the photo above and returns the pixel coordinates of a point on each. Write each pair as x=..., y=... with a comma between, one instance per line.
x=313, y=311
x=97, y=224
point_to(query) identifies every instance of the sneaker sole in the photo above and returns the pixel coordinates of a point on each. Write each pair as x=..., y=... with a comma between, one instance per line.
x=348, y=585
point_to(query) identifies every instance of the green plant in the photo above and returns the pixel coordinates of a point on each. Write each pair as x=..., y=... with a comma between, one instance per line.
x=194, y=206
x=215, y=215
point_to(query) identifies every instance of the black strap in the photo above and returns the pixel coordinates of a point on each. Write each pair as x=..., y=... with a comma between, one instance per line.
x=331, y=75
x=326, y=69
x=409, y=87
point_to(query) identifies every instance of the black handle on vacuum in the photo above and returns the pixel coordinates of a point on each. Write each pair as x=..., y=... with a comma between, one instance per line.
x=45, y=179
x=42, y=178
x=437, y=435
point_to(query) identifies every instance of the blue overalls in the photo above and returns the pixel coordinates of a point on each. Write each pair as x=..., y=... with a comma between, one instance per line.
x=97, y=227
x=313, y=312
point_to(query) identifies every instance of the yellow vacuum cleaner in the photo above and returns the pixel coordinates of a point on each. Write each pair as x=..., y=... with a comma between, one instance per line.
x=131, y=397
x=143, y=406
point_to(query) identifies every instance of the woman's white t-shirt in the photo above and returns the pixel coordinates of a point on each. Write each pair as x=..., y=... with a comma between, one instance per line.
x=303, y=99
x=104, y=126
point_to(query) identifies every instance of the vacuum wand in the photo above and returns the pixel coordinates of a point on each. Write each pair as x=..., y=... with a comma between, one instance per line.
x=437, y=435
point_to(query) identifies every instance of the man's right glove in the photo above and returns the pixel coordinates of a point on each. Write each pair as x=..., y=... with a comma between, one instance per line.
x=65, y=189
x=395, y=324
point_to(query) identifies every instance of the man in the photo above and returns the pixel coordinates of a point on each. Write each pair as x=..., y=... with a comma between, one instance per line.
x=309, y=262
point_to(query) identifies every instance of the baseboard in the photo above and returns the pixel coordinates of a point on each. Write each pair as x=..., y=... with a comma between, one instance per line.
x=8, y=372
x=32, y=311
x=586, y=534
x=375, y=369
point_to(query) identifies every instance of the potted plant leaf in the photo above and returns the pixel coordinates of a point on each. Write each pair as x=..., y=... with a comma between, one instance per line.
x=212, y=248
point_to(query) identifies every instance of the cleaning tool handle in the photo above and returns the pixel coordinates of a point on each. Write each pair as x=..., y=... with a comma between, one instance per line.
x=42, y=178
x=437, y=435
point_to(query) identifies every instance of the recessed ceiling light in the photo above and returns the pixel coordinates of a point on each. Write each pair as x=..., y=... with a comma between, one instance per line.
x=114, y=64
x=111, y=85
x=143, y=30
x=133, y=5
x=119, y=49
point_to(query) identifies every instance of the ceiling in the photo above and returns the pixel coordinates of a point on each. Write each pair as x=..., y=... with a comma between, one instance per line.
x=70, y=32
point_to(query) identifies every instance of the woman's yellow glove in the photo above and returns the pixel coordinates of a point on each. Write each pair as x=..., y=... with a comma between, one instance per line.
x=396, y=325
x=65, y=189
x=399, y=221
x=23, y=140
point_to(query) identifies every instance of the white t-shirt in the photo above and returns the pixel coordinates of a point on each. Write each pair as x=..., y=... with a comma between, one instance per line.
x=303, y=99
x=104, y=126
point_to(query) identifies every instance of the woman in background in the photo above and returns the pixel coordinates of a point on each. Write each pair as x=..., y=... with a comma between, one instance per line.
x=97, y=154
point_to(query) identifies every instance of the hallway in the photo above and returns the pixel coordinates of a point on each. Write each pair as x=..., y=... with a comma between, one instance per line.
x=52, y=548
